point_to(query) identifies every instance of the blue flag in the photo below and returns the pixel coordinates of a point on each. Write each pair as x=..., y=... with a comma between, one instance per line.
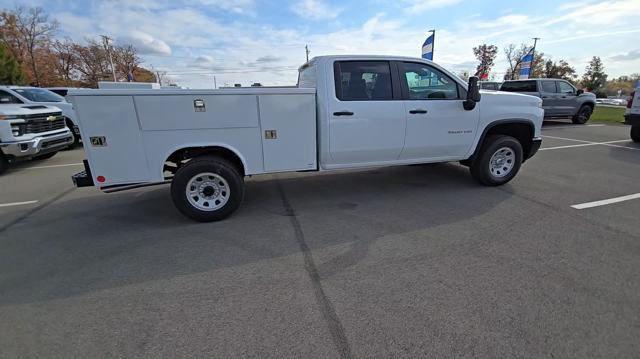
x=427, y=48
x=525, y=65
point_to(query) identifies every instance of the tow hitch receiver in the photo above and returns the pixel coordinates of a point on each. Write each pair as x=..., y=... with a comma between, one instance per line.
x=84, y=178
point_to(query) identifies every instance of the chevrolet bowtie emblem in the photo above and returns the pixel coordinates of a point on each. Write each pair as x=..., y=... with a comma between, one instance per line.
x=51, y=118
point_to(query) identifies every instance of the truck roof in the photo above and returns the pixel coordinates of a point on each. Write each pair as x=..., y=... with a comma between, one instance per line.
x=22, y=109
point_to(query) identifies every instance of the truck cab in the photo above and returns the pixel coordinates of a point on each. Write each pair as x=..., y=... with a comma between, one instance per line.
x=560, y=98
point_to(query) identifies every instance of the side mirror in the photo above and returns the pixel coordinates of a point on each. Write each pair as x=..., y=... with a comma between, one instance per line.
x=579, y=92
x=473, y=94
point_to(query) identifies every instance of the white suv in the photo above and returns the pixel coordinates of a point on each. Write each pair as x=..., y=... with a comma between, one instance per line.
x=40, y=96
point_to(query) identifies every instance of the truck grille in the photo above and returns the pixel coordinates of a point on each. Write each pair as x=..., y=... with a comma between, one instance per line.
x=43, y=124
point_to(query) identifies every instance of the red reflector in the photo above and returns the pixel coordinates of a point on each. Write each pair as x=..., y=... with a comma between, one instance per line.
x=101, y=179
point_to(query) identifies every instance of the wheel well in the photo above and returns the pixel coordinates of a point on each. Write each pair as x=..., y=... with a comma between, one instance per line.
x=183, y=155
x=523, y=132
x=590, y=104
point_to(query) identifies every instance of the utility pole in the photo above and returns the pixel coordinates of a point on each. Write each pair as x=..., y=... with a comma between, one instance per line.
x=533, y=55
x=105, y=42
x=306, y=49
x=215, y=83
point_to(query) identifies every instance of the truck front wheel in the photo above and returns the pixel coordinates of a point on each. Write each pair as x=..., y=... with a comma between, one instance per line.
x=498, y=161
x=635, y=133
x=583, y=115
x=207, y=189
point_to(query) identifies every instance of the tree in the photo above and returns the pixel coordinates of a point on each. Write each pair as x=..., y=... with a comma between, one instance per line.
x=34, y=31
x=125, y=60
x=594, y=77
x=92, y=63
x=143, y=75
x=10, y=71
x=514, y=57
x=558, y=70
x=65, y=61
x=486, y=54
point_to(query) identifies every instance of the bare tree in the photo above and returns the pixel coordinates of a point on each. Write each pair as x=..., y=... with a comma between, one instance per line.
x=36, y=30
x=126, y=60
x=66, y=60
x=92, y=63
x=486, y=54
x=514, y=56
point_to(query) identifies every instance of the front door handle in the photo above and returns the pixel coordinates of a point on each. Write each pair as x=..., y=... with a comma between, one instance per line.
x=343, y=113
x=416, y=111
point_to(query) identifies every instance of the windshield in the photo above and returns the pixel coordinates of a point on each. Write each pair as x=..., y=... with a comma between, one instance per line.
x=39, y=95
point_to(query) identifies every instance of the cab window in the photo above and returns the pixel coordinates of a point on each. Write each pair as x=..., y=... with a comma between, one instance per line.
x=549, y=86
x=427, y=83
x=564, y=87
x=6, y=97
x=363, y=80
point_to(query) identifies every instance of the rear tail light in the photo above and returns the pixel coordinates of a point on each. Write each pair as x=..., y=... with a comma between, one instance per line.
x=630, y=100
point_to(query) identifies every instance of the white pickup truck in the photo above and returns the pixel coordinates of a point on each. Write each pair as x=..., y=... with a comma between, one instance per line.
x=31, y=132
x=346, y=112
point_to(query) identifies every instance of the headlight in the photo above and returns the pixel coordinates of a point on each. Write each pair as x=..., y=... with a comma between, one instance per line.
x=5, y=117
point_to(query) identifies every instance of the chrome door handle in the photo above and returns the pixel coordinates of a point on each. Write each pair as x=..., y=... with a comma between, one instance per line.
x=343, y=113
x=416, y=111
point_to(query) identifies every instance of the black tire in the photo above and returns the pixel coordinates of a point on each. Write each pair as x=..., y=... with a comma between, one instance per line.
x=583, y=115
x=76, y=137
x=4, y=164
x=635, y=133
x=200, y=166
x=480, y=168
x=45, y=156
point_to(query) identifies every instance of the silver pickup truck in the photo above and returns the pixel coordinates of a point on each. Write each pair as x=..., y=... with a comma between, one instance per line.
x=560, y=99
x=31, y=132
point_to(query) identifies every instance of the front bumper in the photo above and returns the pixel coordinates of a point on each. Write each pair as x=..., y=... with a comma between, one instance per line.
x=535, y=146
x=632, y=119
x=38, y=146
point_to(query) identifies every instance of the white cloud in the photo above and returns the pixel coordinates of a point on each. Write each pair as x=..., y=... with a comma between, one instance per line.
x=236, y=6
x=507, y=20
x=145, y=43
x=420, y=6
x=628, y=56
x=315, y=10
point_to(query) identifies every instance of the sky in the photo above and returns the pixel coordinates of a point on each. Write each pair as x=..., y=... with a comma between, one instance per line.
x=247, y=41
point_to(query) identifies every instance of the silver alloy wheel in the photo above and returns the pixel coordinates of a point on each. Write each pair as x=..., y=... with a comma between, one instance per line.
x=502, y=162
x=208, y=191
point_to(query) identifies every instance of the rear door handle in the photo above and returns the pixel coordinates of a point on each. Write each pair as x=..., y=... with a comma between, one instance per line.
x=416, y=111
x=343, y=113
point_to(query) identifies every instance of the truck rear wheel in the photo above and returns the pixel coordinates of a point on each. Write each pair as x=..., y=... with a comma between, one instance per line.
x=635, y=133
x=207, y=189
x=498, y=162
x=583, y=115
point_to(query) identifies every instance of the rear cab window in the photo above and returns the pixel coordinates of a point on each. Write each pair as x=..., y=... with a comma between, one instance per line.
x=549, y=86
x=363, y=80
x=519, y=86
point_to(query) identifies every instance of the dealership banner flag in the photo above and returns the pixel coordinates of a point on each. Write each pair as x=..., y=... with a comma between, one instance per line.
x=525, y=65
x=427, y=48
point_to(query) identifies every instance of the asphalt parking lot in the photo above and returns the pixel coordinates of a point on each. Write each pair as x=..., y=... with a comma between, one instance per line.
x=414, y=261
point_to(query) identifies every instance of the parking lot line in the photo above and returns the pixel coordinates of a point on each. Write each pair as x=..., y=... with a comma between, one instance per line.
x=605, y=202
x=17, y=203
x=570, y=126
x=587, y=143
x=54, y=166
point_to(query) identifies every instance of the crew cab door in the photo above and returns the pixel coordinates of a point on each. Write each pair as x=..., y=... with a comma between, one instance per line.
x=366, y=113
x=567, y=99
x=438, y=126
x=550, y=98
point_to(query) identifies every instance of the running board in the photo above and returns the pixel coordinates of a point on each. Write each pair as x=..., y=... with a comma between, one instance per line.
x=126, y=187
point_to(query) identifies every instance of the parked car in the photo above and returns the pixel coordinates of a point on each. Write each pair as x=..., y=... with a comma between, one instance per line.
x=39, y=96
x=346, y=112
x=490, y=85
x=632, y=114
x=30, y=132
x=560, y=99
